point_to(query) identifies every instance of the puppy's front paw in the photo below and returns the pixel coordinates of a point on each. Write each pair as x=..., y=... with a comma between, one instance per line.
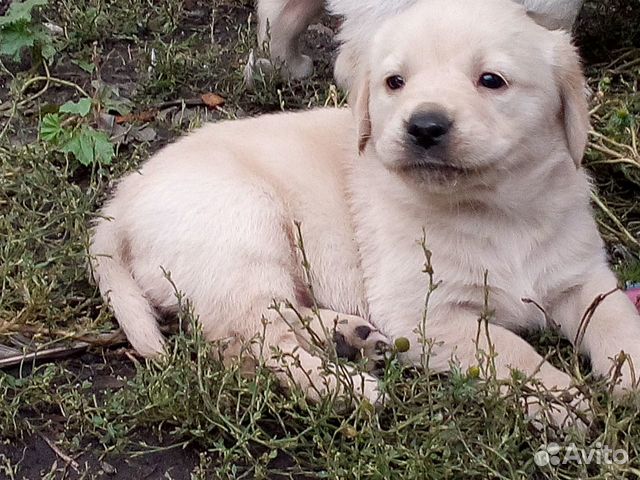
x=299, y=67
x=296, y=67
x=256, y=67
x=355, y=338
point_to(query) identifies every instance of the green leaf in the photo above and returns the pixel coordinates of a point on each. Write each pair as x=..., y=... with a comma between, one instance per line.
x=82, y=107
x=51, y=129
x=121, y=106
x=103, y=148
x=14, y=38
x=43, y=40
x=20, y=12
x=80, y=147
x=48, y=51
x=84, y=65
x=90, y=146
x=17, y=31
x=109, y=97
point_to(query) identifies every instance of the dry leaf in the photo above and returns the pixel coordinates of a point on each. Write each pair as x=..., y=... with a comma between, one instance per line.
x=142, y=117
x=212, y=100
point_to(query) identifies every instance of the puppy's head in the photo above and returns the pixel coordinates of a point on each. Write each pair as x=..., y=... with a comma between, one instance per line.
x=459, y=91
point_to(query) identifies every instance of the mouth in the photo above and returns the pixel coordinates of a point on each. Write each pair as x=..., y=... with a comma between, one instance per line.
x=433, y=166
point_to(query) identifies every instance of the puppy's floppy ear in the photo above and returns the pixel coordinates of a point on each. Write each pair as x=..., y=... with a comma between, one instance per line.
x=573, y=96
x=359, y=101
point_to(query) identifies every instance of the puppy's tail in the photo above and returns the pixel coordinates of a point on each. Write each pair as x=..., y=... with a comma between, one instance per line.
x=136, y=316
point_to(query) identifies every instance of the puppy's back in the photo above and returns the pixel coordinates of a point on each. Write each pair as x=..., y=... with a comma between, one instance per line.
x=157, y=213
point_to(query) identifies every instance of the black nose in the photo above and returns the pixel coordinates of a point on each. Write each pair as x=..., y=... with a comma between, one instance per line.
x=427, y=129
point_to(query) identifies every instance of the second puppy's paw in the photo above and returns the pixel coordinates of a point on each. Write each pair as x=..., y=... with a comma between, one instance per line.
x=356, y=338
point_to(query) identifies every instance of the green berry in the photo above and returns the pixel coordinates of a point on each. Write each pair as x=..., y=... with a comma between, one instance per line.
x=402, y=344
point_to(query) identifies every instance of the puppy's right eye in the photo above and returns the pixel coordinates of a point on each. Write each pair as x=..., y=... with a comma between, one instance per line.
x=492, y=81
x=395, y=82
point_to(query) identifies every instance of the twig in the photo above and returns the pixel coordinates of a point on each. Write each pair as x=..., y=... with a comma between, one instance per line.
x=427, y=268
x=617, y=161
x=614, y=219
x=588, y=315
x=625, y=54
x=625, y=66
x=47, y=79
x=48, y=354
x=615, y=373
x=549, y=397
x=55, y=80
x=551, y=323
x=60, y=453
x=623, y=146
x=614, y=143
x=61, y=352
x=5, y=129
x=187, y=102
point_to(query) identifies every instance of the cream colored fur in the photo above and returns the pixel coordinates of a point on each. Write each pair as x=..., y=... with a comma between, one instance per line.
x=218, y=210
x=282, y=22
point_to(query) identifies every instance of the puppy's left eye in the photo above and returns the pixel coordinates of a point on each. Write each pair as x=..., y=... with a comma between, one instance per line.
x=492, y=81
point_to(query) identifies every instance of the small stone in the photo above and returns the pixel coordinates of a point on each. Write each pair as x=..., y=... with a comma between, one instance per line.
x=108, y=468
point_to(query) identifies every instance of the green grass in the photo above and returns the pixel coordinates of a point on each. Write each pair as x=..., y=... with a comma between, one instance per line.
x=230, y=426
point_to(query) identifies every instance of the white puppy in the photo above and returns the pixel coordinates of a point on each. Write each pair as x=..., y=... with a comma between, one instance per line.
x=282, y=22
x=217, y=211
x=471, y=133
